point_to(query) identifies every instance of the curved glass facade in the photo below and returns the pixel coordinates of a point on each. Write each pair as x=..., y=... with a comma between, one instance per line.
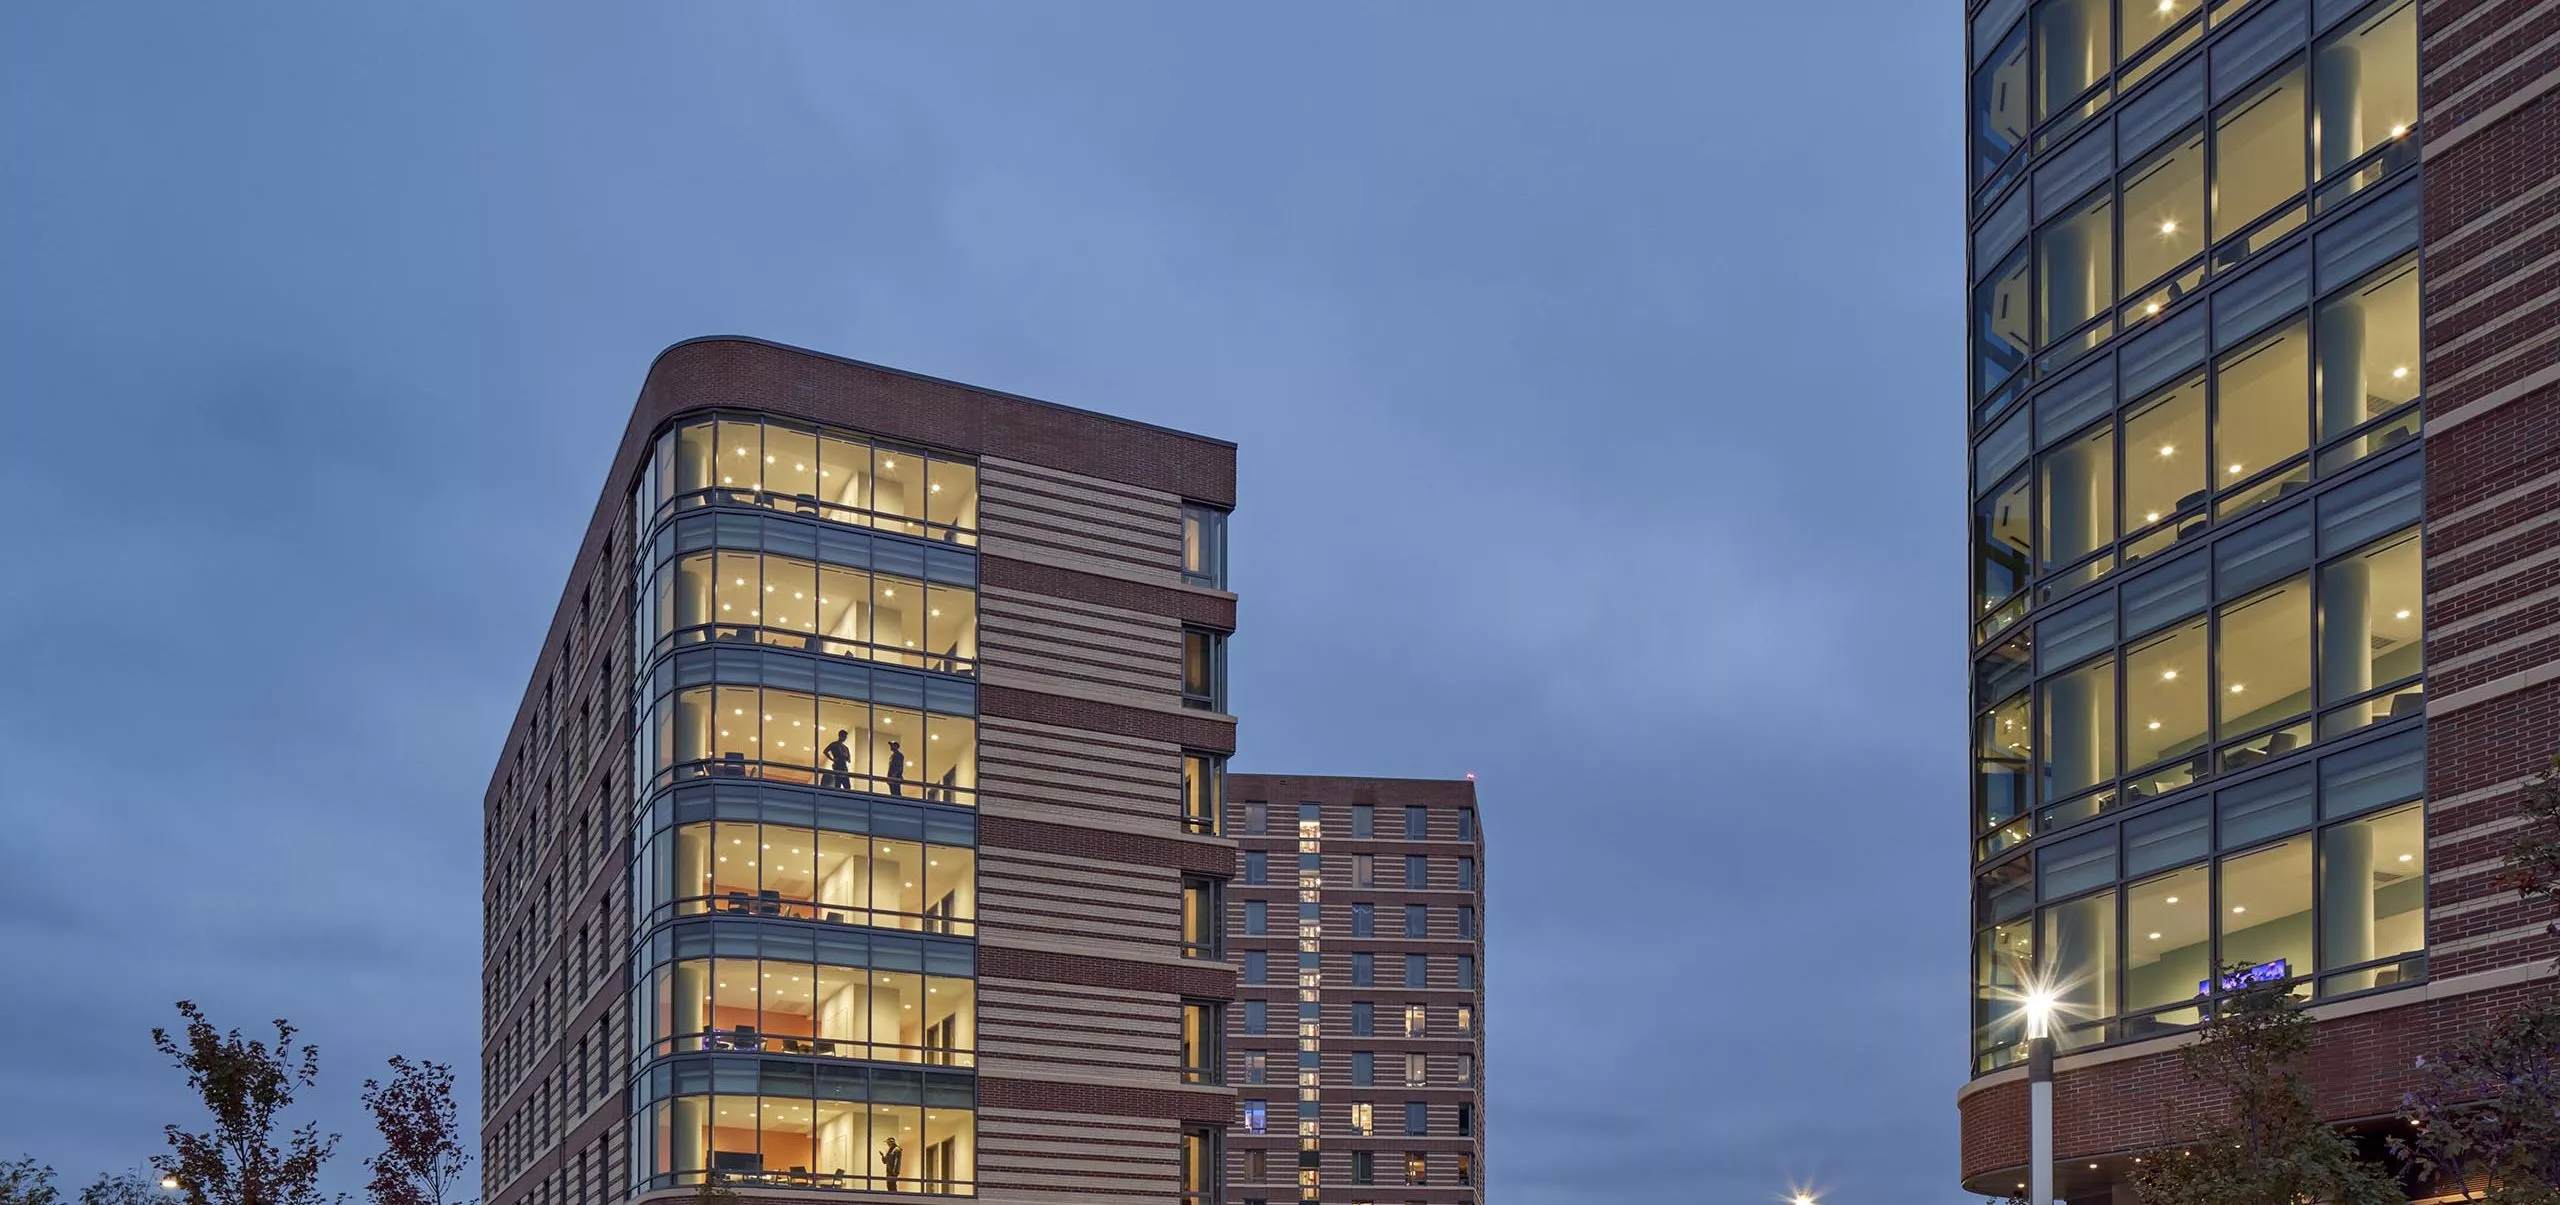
x=804, y=883
x=2197, y=479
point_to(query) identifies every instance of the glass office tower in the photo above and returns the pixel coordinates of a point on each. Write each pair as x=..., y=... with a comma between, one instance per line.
x=2260, y=398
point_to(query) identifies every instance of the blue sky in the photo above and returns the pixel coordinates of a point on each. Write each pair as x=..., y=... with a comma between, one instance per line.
x=1596, y=369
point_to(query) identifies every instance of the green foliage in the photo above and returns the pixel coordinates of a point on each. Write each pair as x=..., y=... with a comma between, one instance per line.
x=2269, y=1145
x=246, y=1085
x=27, y=1182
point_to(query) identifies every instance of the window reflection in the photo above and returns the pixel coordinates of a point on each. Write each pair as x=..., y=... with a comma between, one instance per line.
x=2000, y=545
x=2000, y=775
x=2000, y=104
x=2000, y=323
x=808, y=874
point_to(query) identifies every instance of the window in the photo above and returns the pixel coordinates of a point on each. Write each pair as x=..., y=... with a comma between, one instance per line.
x=1364, y=1167
x=1203, y=918
x=1417, y=1166
x=1466, y=874
x=1204, y=669
x=1203, y=1157
x=1999, y=105
x=2001, y=545
x=1204, y=1047
x=1257, y=817
x=1257, y=1017
x=1364, y=1019
x=1466, y=920
x=1417, y=824
x=1466, y=824
x=1310, y=819
x=2002, y=755
x=2078, y=739
x=2259, y=153
x=1466, y=970
x=1417, y=920
x=1364, y=920
x=2368, y=81
x=2166, y=696
x=2075, y=267
x=2263, y=412
x=1364, y=870
x=810, y=604
x=1363, y=1119
x=2166, y=472
x=2074, y=50
x=1364, y=821
x=825, y=1130
x=1416, y=970
x=1257, y=867
x=1417, y=1070
x=2263, y=658
x=1466, y=1165
x=1466, y=1018
x=1204, y=779
x=2266, y=908
x=1257, y=1166
x=819, y=874
x=1257, y=918
x=1364, y=969
x=2164, y=197
x=1364, y=1068
x=781, y=735
x=1257, y=968
x=1415, y=1020
x=2369, y=363
x=1417, y=872
x=1257, y=1115
x=2371, y=631
x=1204, y=546
x=814, y=472
x=2373, y=876
x=2077, y=482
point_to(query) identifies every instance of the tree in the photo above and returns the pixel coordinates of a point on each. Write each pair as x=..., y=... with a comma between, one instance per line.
x=246, y=1086
x=2269, y=1146
x=2485, y=1116
x=27, y=1182
x=423, y=1151
x=136, y=1187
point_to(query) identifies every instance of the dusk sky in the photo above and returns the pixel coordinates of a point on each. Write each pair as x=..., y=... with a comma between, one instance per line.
x=1596, y=369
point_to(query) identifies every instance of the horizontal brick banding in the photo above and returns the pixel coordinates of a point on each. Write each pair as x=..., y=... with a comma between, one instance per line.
x=1205, y=980
x=1106, y=1100
x=1192, y=730
x=1202, y=857
x=1194, y=607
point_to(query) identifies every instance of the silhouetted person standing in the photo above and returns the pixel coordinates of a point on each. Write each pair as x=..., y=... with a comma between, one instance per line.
x=897, y=770
x=890, y=1158
x=841, y=759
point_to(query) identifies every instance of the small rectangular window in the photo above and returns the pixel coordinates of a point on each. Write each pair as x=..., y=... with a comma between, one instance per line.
x=1417, y=920
x=1364, y=920
x=1417, y=1069
x=1204, y=669
x=1364, y=969
x=1417, y=970
x=1416, y=1019
x=1364, y=821
x=1204, y=779
x=1466, y=970
x=1204, y=546
x=1257, y=967
x=1417, y=1165
x=1364, y=1166
x=1466, y=874
x=1204, y=1048
x=1257, y=1017
x=1466, y=920
x=1417, y=872
x=1257, y=817
x=1364, y=1068
x=1466, y=1120
x=1257, y=867
x=1417, y=824
x=1364, y=1019
x=1364, y=870
x=1257, y=1116
x=1257, y=1068
x=1203, y=918
x=1466, y=824
x=1257, y=918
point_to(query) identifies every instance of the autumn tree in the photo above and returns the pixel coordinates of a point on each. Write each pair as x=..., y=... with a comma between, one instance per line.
x=423, y=1151
x=137, y=1187
x=246, y=1085
x=2269, y=1146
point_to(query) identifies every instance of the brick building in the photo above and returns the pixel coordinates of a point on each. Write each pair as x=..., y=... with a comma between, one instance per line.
x=858, y=831
x=2265, y=415
x=1358, y=1037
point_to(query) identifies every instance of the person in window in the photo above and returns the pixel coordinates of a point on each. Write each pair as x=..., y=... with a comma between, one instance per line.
x=897, y=770
x=840, y=761
x=891, y=1157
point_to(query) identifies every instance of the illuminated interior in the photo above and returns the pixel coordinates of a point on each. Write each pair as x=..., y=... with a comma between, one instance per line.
x=806, y=874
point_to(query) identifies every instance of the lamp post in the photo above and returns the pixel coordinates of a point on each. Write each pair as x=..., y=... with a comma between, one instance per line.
x=2040, y=1097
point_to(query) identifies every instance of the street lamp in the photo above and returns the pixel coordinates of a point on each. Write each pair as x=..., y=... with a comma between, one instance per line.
x=2040, y=1004
x=169, y=1181
x=1802, y=1198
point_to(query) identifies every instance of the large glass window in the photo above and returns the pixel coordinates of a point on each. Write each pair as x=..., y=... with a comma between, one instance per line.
x=2164, y=211
x=2263, y=657
x=881, y=1131
x=2075, y=266
x=2077, y=741
x=799, y=469
x=1204, y=669
x=2165, y=694
x=801, y=604
x=1204, y=921
x=812, y=874
x=2373, y=897
x=2258, y=153
x=2168, y=942
x=2002, y=338
x=810, y=1008
x=2079, y=497
x=1204, y=777
x=2144, y=20
x=2262, y=414
x=2266, y=909
x=2080, y=960
x=2074, y=50
x=2369, y=363
x=2001, y=545
x=2001, y=958
x=2372, y=617
x=1204, y=1048
x=1204, y=545
x=2367, y=73
x=791, y=736
x=2000, y=104
x=2166, y=471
